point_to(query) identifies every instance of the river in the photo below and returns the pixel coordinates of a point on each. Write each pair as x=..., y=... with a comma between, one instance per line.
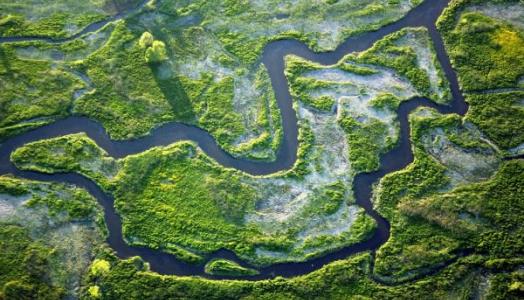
x=424, y=15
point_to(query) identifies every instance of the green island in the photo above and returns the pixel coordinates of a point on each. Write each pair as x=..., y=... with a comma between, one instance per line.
x=454, y=212
x=227, y=268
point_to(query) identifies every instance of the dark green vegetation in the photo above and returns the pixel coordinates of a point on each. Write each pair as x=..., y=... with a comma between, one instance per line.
x=362, y=139
x=24, y=264
x=48, y=234
x=349, y=278
x=499, y=116
x=440, y=164
x=178, y=196
x=431, y=220
x=72, y=153
x=227, y=268
x=127, y=99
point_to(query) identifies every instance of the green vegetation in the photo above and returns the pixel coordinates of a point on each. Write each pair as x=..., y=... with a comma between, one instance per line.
x=499, y=116
x=130, y=96
x=68, y=204
x=70, y=153
x=146, y=40
x=364, y=148
x=177, y=196
x=94, y=292
x=447, y=155
x=33, y=93
x=130, y=106
x=454, y=212
x=366, y=89
x=348, y=278
x=100, y=267
x=411, y=54
x=227, y=268
x=487, y=53
x=56, y=20
x=477, y=209
x=156, y=53
x=127, y=98
x=48, y=234
x=155, y=50
x=177, y=199
x=24, y=266
x=241, y=32
x=413, y=245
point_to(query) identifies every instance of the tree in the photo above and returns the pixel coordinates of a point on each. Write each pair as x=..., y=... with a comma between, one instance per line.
x=100, y=267
x=94, y=292
x=146, y=40
x=156, y=53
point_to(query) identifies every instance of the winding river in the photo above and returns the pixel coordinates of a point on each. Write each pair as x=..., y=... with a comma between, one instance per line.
x=273, y=55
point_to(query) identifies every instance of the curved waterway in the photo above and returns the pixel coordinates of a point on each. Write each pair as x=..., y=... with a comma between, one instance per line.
x=273, y=55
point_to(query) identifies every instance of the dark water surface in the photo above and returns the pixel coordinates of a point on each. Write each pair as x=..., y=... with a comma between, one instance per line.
x=273, y=55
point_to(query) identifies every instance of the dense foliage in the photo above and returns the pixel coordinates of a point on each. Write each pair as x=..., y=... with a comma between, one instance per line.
x=24, y=266
x=207, y=71
x=179, y=189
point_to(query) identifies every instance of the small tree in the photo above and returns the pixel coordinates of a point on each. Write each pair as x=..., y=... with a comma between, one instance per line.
x=156, y=53
x=146, y=40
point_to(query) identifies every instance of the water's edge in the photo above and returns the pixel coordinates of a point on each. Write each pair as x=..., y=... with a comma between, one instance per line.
x=424, y=15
